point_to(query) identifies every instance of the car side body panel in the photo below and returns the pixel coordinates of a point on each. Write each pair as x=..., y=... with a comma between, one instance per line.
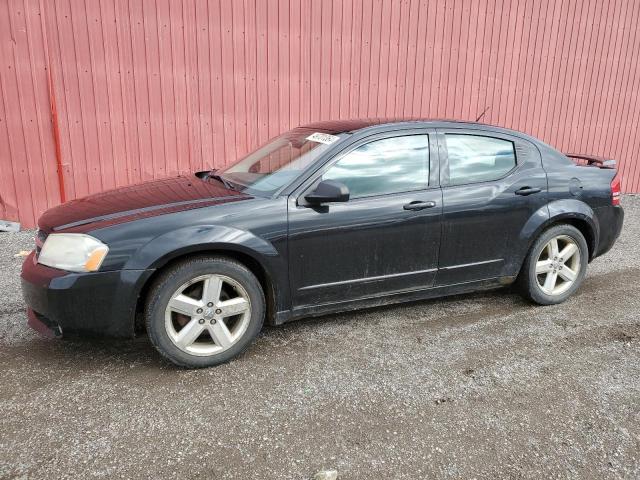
x=148, y=226
x=483, y=222
x=367, y=246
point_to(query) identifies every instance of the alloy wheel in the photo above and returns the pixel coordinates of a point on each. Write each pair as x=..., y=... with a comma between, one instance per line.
x=558, y=265
x=207, y=315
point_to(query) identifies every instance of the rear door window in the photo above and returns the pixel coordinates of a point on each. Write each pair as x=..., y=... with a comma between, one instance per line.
x=475, y=158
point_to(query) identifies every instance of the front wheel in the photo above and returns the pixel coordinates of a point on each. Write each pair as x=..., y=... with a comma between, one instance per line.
x=204, y=311
x=555, y=266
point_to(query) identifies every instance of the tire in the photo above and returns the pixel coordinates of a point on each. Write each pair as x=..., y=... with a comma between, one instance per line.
x=536, y=275
x=186, y=323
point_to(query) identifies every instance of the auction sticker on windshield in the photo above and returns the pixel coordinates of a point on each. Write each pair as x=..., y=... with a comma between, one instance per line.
x=322, y=138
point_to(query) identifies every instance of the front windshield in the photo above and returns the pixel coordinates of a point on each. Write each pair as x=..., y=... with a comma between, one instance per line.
x=277, y=163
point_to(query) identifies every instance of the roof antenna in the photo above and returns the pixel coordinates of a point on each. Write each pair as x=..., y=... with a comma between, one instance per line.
x=482, y=114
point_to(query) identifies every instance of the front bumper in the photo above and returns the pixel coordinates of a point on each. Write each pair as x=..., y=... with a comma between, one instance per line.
x=97, y=303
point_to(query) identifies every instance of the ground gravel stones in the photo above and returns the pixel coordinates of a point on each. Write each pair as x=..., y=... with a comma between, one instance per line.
x=482, y=385
x=326, y=475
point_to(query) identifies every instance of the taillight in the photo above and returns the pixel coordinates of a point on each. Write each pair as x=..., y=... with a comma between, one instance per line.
x=615, y=190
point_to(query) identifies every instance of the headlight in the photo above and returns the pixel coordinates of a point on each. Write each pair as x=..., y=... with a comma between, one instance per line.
x=74, y=252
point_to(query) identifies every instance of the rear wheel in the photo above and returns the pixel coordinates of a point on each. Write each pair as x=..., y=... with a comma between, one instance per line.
x=204, y=311
x=555, y=266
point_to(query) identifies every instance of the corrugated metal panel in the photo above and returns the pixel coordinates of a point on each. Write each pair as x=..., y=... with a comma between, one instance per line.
x=153, y=88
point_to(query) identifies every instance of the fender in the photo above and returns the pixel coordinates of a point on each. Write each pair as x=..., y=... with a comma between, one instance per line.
x=202, y=238
x=175, y=243
x=557, y=211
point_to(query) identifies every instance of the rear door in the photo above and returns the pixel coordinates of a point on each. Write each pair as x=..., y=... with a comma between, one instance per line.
x=385, y=239
x=492, y=183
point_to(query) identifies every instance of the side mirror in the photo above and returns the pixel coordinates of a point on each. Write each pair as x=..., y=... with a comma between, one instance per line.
x=328, y=191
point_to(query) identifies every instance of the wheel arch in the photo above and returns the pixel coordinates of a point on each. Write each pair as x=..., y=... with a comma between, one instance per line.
x=570, y=212
x=584, y=227
x=255, y=253
x=250, y=261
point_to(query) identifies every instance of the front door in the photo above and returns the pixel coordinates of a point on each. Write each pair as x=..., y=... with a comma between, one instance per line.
x=384, y=239
x=492, y=184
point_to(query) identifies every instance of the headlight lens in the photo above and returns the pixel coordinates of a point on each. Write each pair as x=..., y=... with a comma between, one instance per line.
x=74, y=252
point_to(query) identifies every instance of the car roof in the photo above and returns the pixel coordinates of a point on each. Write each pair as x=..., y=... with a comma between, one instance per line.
x=336, y=127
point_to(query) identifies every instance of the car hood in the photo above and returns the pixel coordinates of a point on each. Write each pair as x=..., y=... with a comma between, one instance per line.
x=143, y=200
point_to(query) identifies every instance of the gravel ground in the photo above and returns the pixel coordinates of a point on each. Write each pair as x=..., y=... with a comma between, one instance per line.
x=481, y=385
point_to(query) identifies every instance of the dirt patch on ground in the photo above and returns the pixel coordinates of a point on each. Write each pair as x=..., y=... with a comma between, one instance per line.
x=481, y=385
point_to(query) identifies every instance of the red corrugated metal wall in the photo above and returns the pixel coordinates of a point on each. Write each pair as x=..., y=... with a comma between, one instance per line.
x=150, y=88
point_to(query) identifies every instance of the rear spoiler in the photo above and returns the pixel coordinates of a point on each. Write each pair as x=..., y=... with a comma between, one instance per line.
x=593, y=161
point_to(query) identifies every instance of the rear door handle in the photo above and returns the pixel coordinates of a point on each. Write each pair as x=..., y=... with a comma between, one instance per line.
x=528, y=191
x=417, y=205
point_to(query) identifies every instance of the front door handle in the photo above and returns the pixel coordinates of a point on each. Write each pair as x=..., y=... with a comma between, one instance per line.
x=417, y=205
x=528, y=191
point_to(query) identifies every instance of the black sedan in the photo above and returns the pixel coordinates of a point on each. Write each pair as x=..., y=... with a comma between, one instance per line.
x=328, y=217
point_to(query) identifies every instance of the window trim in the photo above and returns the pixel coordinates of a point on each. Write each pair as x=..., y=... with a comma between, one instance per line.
x=432, y=178
x=445, y=180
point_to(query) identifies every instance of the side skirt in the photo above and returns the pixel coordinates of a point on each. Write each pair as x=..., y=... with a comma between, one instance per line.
x=390, y=299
